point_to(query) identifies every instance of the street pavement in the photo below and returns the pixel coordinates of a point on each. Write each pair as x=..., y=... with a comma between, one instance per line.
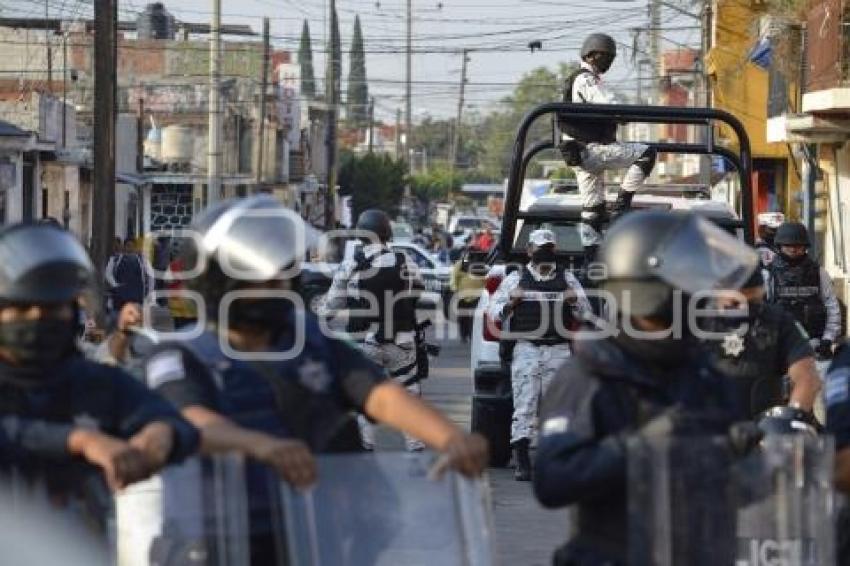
x=525, y=533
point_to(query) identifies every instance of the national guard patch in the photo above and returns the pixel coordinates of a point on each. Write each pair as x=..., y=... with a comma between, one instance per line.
x=837, y=386
x=555, y=425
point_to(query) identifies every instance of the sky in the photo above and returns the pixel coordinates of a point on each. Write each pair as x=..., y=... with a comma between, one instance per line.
x=496, y=32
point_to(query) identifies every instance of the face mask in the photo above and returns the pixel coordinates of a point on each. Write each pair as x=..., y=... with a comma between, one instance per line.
x=271, y=313
x=736, y=318
x=603, y=63
x=543, y=255
x=39, y=343
x=793, y=260
x=662, y=352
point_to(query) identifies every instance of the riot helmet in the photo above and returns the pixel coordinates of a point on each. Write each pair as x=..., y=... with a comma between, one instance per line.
x=376, y=221
x=792, y=234
x=42, y=264
x=242, y=241
x=650, y=254
x=43, y=273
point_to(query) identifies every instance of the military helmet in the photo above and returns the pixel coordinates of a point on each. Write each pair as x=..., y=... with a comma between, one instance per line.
x=647, y=255
x=40, y=263
x=792, y=234
x=598, y=43
x=377, y=221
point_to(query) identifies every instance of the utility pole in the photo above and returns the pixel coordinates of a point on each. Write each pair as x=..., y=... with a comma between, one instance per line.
x=47, y=45
x=64, y=89
x=655, y=48
x=330, y=141
x=264, y=85
x=398, y=154
x=103, y=190
x=371, y=123
x=408, y=94
x=456, y=137
x=705, y=82
x=214, y=141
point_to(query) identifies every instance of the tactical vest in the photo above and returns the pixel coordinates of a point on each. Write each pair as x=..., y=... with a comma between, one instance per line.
x=543, y=314
x=796, y=288
x=756, y=372
x=387, y=285
x=584, y=129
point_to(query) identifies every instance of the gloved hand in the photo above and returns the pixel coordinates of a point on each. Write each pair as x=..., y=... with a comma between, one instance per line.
x=743, y=437
x=824, y=349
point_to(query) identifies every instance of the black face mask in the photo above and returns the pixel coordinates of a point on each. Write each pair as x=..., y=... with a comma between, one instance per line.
x=271, y=313
x=602, y=63
x=664, y=352
x=734, y=319
x=794, y=260
x=38, y=343
x=545, y=254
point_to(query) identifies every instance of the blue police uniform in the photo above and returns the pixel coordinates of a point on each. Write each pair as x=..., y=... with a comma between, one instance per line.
x=38, y=414
x=837, y=401
x=600, y=395
x=310, y=397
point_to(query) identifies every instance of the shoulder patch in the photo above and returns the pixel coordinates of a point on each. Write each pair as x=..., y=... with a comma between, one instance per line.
x=837, y=388
x=164, y=367
x=555, y=425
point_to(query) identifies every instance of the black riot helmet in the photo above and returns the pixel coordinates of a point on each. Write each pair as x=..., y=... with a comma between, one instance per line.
x=40, y=263
x=238, y=241
x=792, y=234
x=598, y=43
x=377, y=221
x=647, y=255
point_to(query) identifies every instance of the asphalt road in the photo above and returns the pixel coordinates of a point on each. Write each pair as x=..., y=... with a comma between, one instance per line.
x=525, y=533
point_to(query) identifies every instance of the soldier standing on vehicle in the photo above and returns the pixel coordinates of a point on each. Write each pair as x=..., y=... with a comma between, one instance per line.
x=769, y=222
x=760, y=345
x=273, y=410
x=58, y=409
x=539, y=304
x=590, y=146
x=803, y=288
x=648, y=378
x=388, y=284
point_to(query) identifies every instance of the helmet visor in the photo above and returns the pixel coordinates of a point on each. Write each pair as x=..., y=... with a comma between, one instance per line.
x=699, y=256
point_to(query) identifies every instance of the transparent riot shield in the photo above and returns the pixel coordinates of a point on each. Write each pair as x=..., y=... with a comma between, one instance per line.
x=695, y=501
x=193, y=514
x=382, y=509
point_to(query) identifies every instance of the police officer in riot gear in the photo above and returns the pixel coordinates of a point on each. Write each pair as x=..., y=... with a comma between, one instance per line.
x=266, y=380
x=379, y=289
x=539, y=304
x=590, y=146
x=768, y=224
x=59, y=409
x=642, y=373
x=757, y=344
x=799, y=285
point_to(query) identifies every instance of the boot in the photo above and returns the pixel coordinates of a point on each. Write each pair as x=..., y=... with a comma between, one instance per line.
x=522, y=472
x=622, y=204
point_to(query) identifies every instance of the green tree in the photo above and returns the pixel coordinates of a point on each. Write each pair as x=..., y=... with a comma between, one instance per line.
x=358, y=89
x=498, y=129
x=373, y=181
x=305, y=59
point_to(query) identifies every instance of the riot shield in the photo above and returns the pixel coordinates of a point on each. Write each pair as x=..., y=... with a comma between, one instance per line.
x=194, y=514
x=695, y=501
x=382, y=509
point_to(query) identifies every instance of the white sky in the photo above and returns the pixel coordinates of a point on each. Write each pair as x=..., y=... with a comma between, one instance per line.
x=497, y=32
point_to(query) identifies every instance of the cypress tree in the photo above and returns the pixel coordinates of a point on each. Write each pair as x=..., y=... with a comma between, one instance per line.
x=358, y=89
x=305, y=59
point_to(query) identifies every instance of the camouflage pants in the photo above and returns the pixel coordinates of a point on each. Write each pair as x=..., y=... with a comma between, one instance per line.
x=532, y=370
x=400, y=362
